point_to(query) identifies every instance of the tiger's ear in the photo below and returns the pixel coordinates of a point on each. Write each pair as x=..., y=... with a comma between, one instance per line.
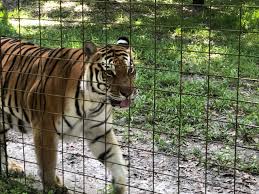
x=89, y=48
x=123, y=41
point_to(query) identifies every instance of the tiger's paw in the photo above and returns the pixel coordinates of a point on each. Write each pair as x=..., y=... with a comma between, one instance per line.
x=119, y=188
x=15, y=168
x=59, y=182
x=58, y=188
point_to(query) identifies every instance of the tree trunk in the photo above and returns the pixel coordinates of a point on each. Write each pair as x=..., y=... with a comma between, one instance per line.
x=10, y=4
x=198, y=2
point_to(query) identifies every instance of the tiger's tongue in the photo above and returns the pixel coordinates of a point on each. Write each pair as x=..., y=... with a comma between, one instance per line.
x=125, y=103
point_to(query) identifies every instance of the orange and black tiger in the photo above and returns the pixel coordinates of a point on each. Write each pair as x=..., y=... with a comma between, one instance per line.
x=65, y=91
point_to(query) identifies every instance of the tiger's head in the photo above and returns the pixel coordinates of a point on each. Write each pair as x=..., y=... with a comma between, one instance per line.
x=112, y=72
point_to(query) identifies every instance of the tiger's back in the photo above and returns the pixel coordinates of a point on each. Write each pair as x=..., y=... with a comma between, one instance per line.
x=33, y=77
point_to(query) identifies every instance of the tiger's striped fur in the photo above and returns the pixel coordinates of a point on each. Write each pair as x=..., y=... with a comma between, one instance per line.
x=65, y=91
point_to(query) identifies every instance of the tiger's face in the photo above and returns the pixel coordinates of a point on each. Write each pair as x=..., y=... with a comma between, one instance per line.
x=115, y=73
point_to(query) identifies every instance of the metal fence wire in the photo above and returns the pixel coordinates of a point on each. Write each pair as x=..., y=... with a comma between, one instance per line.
x=193, y=126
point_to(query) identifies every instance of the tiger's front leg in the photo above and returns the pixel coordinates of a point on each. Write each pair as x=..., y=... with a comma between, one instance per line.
x=12, y=167
x=46, y=143
x=3, y=149
x=104, y=146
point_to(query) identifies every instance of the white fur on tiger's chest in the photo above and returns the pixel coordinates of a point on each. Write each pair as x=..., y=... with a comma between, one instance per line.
x=71, y=124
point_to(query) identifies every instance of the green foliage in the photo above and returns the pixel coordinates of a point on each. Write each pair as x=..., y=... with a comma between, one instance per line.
x=250, y=20
x=108, y=190
x=9, y=186
x=5, y=27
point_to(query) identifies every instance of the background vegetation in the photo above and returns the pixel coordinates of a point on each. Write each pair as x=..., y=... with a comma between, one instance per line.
x=198, y=69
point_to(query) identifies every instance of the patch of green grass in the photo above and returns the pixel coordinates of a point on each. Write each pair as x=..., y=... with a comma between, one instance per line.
x=108, y=190
x=225, y=160
x=10, y=186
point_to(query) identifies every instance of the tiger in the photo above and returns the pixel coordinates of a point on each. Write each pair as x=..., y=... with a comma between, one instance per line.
x=58, y=92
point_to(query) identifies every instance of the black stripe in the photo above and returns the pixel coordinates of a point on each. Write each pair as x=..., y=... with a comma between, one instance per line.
x=4, y=42
x=98, y=81
x=100, y=136
x=91, y=81
x=34, y=98
x=48, y=74
x=9, y=120
x=111, y=155
x=5, y=53
x=57, y=58
x=97, y=109
x=35, y=55
x=11, y=67
x=67, y=122
x=21, y=126
x=97, y=58
x=9, y=105
x=67, y=68
x=110, y=60
x=25, y=116
x=6, y=80
x=108, y=57
x=14, y=41
x=51, y=57
x=16, y=84
x=71, y=57
x=39, y=89
x=78, y=112
x=54, y=125
x=123, y=54
x=103, y=51
x=100, y=123
x=24, y=55
x=101, y=66
x=110, y=50
x=91, y=78
x=29, y=68
x=19, y=75
x=104, y=156
x=51, y=54
x=15, y=101
x=4, y=131
x=18, y=46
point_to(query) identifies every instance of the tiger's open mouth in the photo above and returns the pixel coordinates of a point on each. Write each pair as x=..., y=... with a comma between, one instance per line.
x=122, y=104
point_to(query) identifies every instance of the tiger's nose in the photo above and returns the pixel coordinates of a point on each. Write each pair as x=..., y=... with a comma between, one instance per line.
x=126, y=94
x=127, y=91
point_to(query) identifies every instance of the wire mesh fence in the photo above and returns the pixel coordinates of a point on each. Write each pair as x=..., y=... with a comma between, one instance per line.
x=193, y=126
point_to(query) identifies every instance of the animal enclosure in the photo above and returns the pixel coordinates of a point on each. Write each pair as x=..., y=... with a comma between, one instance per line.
x=193, y=126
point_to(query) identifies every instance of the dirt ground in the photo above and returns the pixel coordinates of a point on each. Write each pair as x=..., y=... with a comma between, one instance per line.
x=146, y=171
